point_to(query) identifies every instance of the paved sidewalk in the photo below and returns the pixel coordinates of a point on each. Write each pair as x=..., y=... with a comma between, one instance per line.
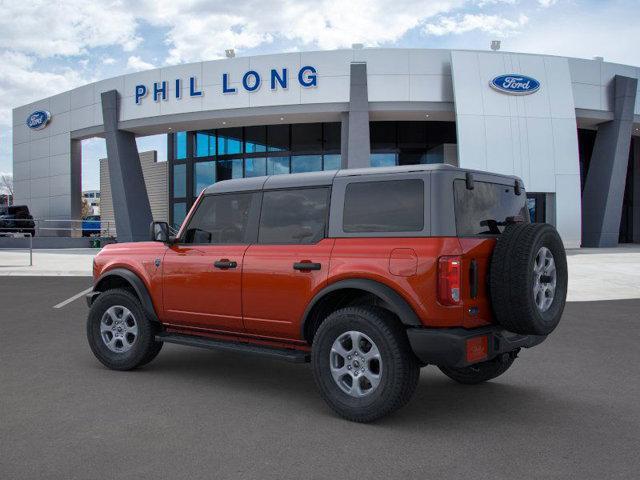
x=594, y=274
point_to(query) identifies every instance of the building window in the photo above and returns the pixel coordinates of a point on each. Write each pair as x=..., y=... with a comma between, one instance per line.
x=229, y=141
x=180, y=180
x=204, y=174
x=180, y=146
x=332, y=162
x=205, y=144
x=306, y=163
x=277, y=165
x=383, y=159
x=179, y=213
x=255, y=139
x=201, y=158
x=255, y=167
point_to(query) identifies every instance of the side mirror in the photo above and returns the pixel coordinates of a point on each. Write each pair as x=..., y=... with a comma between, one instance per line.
x=159, y=232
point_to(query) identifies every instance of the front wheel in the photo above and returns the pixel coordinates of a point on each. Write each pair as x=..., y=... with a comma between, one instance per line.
x=119, y=332
x=363, y=364
x=480, y=372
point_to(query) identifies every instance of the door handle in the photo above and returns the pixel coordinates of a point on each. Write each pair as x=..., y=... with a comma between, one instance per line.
x=225, y=264
x=306, y=266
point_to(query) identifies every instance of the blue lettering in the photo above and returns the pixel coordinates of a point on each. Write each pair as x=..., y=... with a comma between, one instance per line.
x=141, y=92
x=178, y=91
x=310, y=80
x=275, y=77
x=192, y=88
x=225, y=84
x=256, y=81
x=157, y=90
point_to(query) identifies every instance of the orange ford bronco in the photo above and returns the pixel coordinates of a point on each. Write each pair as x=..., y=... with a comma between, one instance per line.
x=368, y=274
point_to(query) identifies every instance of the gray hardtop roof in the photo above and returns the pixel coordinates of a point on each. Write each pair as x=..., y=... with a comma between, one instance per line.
x=325, y=178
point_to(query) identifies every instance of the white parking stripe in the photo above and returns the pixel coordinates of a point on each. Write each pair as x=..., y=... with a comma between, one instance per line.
x=75, y=297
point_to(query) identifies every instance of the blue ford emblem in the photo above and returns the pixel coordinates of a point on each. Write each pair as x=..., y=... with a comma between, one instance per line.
x=515, y=84
x=38, y=119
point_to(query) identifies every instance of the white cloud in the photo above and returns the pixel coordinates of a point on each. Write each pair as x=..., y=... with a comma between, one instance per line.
x=46, y=28
x=491, y=24
x=135, y=63
x=21, y=83
x=108, y=61
x=547, y=3
x=214, y=26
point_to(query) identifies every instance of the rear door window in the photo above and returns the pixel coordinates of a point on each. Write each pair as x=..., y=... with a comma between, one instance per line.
x=486, y=209
x=296, y=216
x=384, y=206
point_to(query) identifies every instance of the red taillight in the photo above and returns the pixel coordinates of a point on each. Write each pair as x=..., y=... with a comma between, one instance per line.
x=449, y=280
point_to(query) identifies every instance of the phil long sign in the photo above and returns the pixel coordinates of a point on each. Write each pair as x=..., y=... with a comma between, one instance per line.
x=250, y=81
x=515, y=84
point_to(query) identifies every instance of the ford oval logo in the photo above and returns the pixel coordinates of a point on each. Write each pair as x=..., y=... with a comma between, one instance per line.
x=38, y=119
x=515, y=84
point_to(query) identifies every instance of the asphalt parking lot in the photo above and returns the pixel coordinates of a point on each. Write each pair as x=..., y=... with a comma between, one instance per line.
x=568, y=409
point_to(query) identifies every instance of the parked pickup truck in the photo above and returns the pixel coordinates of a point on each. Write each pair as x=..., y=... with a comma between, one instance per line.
x=368, y=274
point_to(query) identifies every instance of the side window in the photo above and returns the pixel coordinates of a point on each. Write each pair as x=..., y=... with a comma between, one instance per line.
x=384, y=206
x=220, y=219
x=297, y=216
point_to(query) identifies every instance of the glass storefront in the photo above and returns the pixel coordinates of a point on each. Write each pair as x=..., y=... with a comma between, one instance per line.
x=199, y=159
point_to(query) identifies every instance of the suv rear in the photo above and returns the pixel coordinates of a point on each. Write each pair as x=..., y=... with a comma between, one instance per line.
x=17, y=219
x=369, y=274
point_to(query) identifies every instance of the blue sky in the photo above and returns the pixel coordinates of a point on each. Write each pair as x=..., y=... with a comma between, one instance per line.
x=48, y=48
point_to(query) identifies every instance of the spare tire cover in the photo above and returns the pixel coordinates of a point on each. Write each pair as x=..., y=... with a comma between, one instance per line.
x=528, y=278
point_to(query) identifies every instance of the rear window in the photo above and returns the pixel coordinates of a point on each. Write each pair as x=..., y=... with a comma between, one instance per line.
x=384, y=206
x=485, y=209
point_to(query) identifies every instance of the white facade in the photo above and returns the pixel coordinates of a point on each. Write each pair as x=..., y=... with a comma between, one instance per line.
x=533, y=136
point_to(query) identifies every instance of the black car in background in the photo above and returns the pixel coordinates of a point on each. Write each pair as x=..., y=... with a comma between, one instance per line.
x=17, y=219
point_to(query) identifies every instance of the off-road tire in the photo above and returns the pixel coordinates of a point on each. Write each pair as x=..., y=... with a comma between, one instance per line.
x=400, y=370
x=512, y=277
x=480, y=372
x=144, y=349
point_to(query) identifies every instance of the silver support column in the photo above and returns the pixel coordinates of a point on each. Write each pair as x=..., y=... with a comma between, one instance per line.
x=129, y=194
x=604, y=187
x=356, y=147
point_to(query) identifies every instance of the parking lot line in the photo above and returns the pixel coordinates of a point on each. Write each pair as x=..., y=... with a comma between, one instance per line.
x=71, y=299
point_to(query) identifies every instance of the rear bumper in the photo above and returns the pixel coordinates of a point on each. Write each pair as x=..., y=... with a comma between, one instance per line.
x=459, y=347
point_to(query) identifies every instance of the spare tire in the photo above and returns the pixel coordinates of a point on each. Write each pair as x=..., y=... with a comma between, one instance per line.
x=528, y=278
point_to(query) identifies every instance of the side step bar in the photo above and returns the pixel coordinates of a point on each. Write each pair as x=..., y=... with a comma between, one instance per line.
x=289, y=355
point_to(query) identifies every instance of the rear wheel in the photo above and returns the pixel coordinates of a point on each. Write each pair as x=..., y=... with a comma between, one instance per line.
x=119, y=333
x=363, y=364
x=480, y=372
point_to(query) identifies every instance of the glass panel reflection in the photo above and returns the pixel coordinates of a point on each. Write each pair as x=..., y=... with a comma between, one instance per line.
x=180, y=146
x=180, y=180
x=383, y=159
x=229, y=141
x=204, y=174
x=306, y=163
x=332, y=162
x=205, y=144
x=228, y=169
x=255, y=167
x=277, y=165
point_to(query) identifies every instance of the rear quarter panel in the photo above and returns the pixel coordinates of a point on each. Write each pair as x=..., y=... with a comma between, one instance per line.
x=370, y=258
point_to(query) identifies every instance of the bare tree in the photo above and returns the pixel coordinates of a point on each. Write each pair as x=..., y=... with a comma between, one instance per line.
x=6, y=186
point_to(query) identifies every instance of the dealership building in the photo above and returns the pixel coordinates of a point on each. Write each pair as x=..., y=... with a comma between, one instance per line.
x=568, y=127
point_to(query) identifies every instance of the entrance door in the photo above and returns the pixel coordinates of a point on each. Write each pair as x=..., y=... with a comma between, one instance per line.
x=202, y=271
x=290, y=262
